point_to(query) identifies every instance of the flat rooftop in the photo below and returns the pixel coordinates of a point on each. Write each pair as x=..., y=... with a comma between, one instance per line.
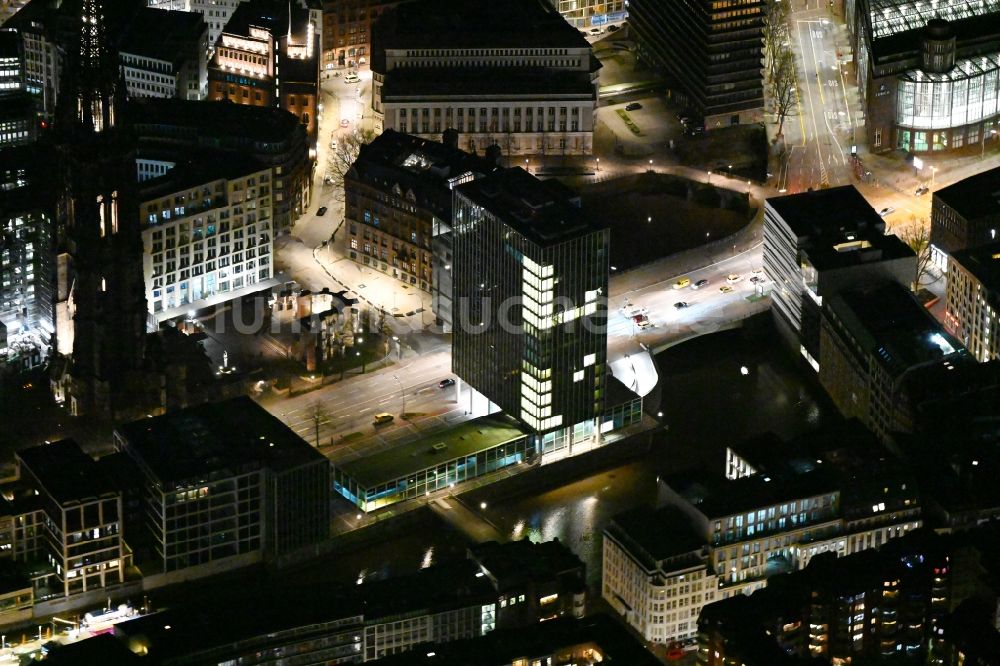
x=463, y=24
x=66, y=472
x=220, y=437
x=837, y=227
x=525, y=560
x=162, y=34
x=662, y=533
x=974, y=197
x=461, y=440
x=545, y=212
x=715, y=496
x=887, y=321
x=983, y=262
x=197, y=168
x=223, y=118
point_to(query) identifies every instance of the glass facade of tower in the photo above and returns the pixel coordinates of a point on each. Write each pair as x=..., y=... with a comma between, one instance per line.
x=529, y=310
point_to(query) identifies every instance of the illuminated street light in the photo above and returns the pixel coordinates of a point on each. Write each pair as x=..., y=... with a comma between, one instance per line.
x=744, y=370
x=482, y=505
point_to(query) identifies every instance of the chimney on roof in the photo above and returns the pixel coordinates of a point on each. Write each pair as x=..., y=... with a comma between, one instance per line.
x=450, y=138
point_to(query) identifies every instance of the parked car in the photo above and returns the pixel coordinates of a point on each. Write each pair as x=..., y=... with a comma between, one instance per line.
x=596, y=31
x=733, y=278
x=683, y=282
x=680, y=305
x=322, y=211
x=382, y=418
x=352, y=78
x=642, y=321
x=922, y=190
x=699, y=284
x=726, y=289
x=634, y=106
x=695, y=129
x=344, y=122
x=614, y=28
x=886, y=211
x=445, y=383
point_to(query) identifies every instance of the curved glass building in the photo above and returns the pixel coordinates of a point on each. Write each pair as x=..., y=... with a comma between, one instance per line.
x=927, y=71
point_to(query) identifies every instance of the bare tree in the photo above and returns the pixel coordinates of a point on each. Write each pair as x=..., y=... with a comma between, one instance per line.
x=319, y=415
x=781, y=86
x=342, y=156
x=917, y=235
x=775, y=32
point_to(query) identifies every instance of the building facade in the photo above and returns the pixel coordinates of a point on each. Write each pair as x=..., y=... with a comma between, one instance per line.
x=27, y=244
x=927, y=75
x=713, y=50
x=223, y=486
x=18, y=118
x=164, y=54
x=511, y=74
x=77, y=519
x=398, y=208
x=206, y=232
x=530, y=283
x=169, y=129
x=973, y=300
x=347, y=31
x=591, y=13
x=965, y=215
x=817, y=243
x=266, y=57
x=874, y=340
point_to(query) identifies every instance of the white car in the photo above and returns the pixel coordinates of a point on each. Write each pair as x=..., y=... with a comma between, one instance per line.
x=733, y=278
x=352, y=78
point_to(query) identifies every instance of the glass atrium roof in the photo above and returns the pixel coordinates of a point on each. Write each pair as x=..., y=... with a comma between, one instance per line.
x=963, y=69
x=892, y=16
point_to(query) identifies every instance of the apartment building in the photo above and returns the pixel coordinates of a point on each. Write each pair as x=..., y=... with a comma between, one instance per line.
x=973, y=299
x=206, y=232
x=584, y=14
x=75, y=518
x=163, y=54
x=512, y=74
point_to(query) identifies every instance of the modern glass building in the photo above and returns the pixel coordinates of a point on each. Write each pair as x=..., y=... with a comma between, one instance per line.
x=927, y=72
x=434, y=462
x=530, y=310
x=711, y=49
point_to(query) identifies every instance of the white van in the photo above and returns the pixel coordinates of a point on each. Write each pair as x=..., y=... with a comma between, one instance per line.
x=352, y=78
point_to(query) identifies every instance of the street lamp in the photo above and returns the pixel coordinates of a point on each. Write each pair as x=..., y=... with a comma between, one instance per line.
x=402, y=393
x=709, y=176
x=526, y=165
x=982, y=153
x=650, y=165
x=933, y=171
x=598, y=164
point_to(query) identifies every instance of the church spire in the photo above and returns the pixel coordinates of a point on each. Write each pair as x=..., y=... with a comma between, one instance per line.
x=96, y=75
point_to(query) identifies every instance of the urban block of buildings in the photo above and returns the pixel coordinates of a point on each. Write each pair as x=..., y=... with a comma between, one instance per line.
x=715, y=537
x=712, y=50
x=206, y=232
x=973, y=300
x=164, y=54
x=965, y=215
x=347, y=31
x=399, y=210
x=517, y=586
x=269, y=55
x=514, y=74
x=818, y=243
x=168, y=130
x=927, y=73
x=895, y=602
